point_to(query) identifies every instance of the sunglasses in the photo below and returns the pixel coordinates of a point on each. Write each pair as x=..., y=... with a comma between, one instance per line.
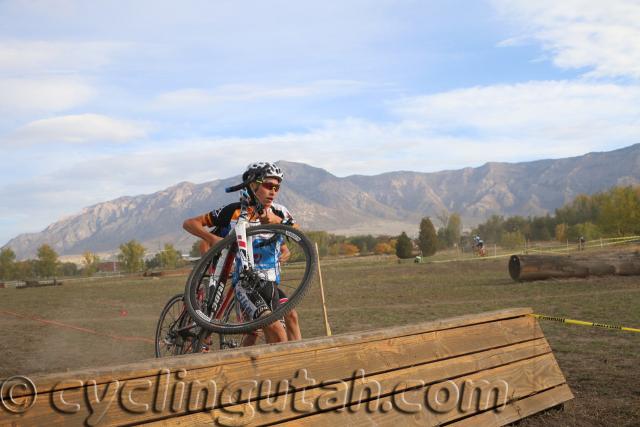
x=271, y=186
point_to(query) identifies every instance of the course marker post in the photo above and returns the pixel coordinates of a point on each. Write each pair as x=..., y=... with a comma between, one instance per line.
x=327, y=328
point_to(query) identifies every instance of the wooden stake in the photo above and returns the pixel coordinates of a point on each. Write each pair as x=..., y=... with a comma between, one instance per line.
x=327, y=328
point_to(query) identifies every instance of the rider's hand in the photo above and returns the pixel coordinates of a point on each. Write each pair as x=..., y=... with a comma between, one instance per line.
x=285, y=254
x=268, y=217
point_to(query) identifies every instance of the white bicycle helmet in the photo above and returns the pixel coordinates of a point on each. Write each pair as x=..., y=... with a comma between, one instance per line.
x=261, y=170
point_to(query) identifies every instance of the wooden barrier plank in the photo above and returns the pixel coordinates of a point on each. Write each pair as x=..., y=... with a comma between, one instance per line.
x=524, y=378
x=390, y=382
x=505, y=345
x=335, y=363
x=519, y=409
x=150, y=368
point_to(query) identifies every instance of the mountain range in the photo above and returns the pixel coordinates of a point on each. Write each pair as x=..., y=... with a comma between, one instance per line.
x=381, y=204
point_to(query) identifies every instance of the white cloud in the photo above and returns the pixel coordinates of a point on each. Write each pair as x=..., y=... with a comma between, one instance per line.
x=250, y=93
x=599, y=35
x=442, y=131
x=551, y=113
x=81, y=128
x=39, y=57
x=448, y=130
x=21, y=95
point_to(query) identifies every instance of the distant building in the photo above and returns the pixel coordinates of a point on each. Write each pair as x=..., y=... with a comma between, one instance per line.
x=110, y=267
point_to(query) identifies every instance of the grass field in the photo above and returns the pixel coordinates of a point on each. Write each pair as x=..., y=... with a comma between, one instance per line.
x=601, y=366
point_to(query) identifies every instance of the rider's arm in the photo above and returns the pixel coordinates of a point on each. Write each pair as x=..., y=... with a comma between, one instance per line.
x=285, y=253
x=198, y=227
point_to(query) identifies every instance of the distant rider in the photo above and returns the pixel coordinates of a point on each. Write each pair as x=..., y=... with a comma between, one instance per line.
x=478, y=244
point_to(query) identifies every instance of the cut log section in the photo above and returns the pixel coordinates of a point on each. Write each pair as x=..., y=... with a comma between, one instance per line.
x=542, y=267
x=486, y=369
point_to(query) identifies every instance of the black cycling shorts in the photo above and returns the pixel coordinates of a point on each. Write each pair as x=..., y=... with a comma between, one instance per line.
x=266, y=298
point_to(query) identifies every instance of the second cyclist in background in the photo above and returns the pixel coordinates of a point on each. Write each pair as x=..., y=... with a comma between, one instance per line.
x=478, y=246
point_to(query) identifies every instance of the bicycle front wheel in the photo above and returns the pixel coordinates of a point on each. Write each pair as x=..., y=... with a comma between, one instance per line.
x=216, y=276
x=176, y=332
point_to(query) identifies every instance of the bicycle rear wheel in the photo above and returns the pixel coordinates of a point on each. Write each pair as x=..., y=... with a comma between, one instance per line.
x=294, y=277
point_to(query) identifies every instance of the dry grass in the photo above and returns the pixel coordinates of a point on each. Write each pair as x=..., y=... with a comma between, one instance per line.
x=601, y=366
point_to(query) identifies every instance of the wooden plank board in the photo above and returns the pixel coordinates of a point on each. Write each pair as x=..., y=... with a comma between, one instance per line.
x=324, y=364
x=519, y=409
x=473, y=342
x=390, y=382
x=525, y=378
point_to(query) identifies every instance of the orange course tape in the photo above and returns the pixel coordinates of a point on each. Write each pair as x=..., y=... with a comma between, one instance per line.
x=77, y=328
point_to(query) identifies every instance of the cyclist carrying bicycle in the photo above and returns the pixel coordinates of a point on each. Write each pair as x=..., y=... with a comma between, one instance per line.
x=265, y=179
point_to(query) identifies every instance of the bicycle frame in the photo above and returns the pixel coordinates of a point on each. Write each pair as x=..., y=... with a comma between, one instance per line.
x=244, y=256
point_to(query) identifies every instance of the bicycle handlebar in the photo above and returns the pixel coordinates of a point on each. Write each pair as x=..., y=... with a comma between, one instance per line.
x=236, y=187
x=251, y=194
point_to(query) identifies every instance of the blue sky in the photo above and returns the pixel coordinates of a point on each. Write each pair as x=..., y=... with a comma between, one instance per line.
x=108, y=98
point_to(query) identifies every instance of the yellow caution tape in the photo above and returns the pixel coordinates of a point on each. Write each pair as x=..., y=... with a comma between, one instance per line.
x=582, y=323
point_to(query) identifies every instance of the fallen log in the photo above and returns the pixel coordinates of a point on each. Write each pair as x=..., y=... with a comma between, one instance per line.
x=542, y=267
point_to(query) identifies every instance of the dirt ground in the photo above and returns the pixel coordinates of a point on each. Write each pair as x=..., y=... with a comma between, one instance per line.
x=110, y=321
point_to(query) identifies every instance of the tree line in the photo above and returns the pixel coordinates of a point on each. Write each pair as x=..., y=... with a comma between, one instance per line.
x=131, y=259
x=611, y=213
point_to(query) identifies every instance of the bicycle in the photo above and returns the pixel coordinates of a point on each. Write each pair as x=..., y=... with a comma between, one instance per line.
x=479, y=250
x=210, y=293
x=177, y=333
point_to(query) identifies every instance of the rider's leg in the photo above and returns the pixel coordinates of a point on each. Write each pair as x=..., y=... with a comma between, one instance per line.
x=203, y=247
x=258, y=304
x=290, y=319
x=275, y=332
x=293, y=327
x=249, y=339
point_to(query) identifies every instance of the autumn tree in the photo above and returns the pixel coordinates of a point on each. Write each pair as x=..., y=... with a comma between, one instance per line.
x=322, y=239
x=25, y=269
x=427, y=238
x=365, y=243
x=343, y=248
x=132, y=256
x=67, y=269
x=383, y=249
x=91, y=261
x=561, y=232
x=512, y=239
x=47, y=262
x=169, y=257
x=404, y=247
x=7, y=264
x=454, y=229
x=619, y=212
x=349, y=249
x=449, y=234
